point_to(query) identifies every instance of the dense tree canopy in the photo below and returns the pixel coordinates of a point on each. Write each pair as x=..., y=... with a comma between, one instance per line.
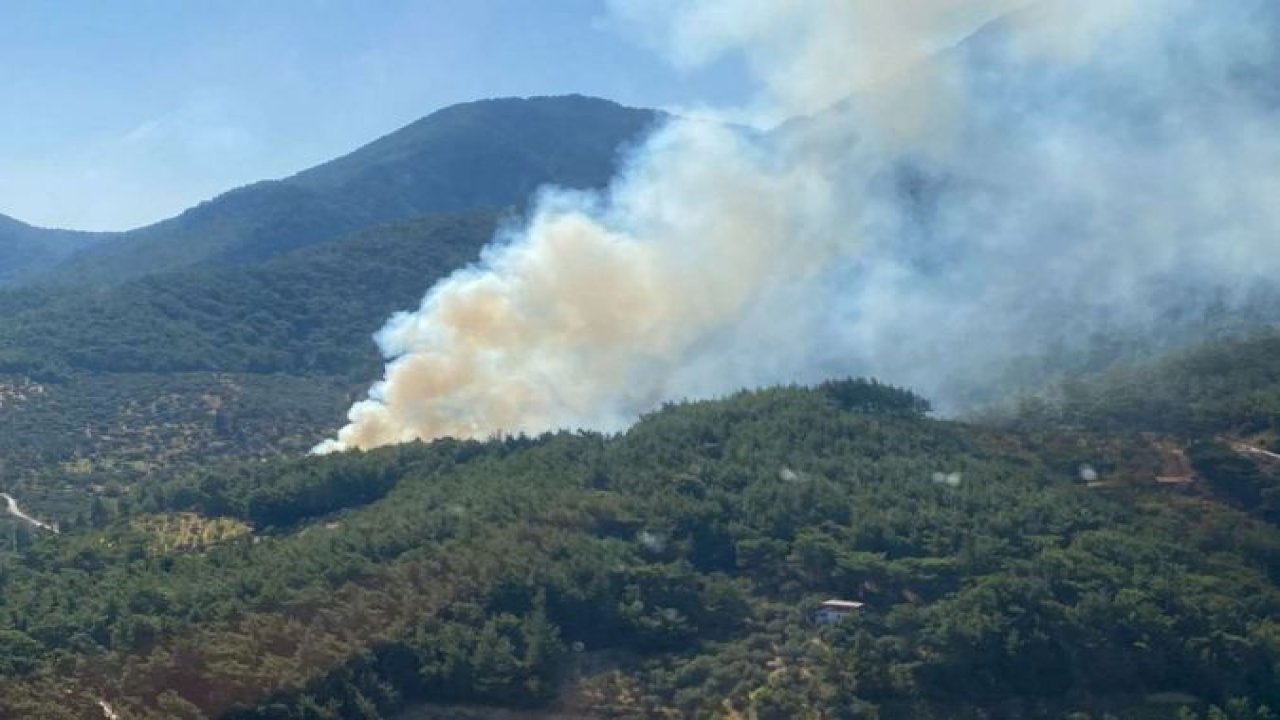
x=670, y=570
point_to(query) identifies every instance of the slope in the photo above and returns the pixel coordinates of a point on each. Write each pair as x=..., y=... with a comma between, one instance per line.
x=103, y=388
x=27, y=251
x=667, y=572
x=484, y=154
x=309, y=311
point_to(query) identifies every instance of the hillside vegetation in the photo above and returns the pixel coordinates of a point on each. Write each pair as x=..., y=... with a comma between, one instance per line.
x=1108, y=548
x=27, y=252
x=312, y=311
x=100, y=389
x=1231, y=385
x=669, y=571
x=243, y=328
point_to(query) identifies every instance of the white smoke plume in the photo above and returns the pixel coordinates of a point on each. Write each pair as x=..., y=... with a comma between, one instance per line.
x=959, y=183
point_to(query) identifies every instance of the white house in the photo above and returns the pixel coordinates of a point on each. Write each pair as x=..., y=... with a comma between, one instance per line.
x=833, y=611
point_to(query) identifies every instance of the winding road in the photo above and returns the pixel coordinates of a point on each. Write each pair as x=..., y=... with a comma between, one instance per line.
x=14, y=510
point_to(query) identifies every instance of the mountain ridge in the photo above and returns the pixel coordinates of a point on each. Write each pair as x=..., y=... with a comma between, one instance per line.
x=27, y=249
x=487, y=153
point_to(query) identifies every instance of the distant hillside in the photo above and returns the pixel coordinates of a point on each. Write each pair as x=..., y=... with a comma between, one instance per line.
x=483, y=154
x=310, y=311
x=102, y=387
x=27, y=250
x=247, y=331
x=1226, y=385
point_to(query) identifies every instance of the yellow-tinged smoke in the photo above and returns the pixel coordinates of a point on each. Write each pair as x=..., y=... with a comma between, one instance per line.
x=580, y=307
x=724, y=257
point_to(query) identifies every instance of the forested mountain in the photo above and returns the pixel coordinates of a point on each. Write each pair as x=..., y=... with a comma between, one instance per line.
x=102, y=388
x=1225, y=386
x=313, y=310
x=1108, y=547
x=490, y=153
x=258, y=331
x=668, y=572
x=27, y=251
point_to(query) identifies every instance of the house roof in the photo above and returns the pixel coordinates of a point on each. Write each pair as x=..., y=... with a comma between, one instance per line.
x=842, y=605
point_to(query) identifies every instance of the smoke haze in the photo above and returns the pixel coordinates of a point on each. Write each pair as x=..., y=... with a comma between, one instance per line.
x=958, y=185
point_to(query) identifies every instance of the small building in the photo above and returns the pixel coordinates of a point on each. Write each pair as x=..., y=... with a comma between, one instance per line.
x=833, y=611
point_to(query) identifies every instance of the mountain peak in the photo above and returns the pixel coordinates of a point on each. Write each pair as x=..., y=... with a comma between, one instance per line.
x=496, y=124
x=482, y=154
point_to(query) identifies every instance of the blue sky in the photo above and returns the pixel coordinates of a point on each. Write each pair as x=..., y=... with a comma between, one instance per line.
x=118, y=113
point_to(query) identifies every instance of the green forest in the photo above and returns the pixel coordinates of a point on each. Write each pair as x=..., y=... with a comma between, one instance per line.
x=101, y=388
x=1100, y=540
x=672, y=571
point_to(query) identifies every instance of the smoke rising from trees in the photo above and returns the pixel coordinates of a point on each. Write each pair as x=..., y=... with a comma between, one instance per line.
x=958, y=185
